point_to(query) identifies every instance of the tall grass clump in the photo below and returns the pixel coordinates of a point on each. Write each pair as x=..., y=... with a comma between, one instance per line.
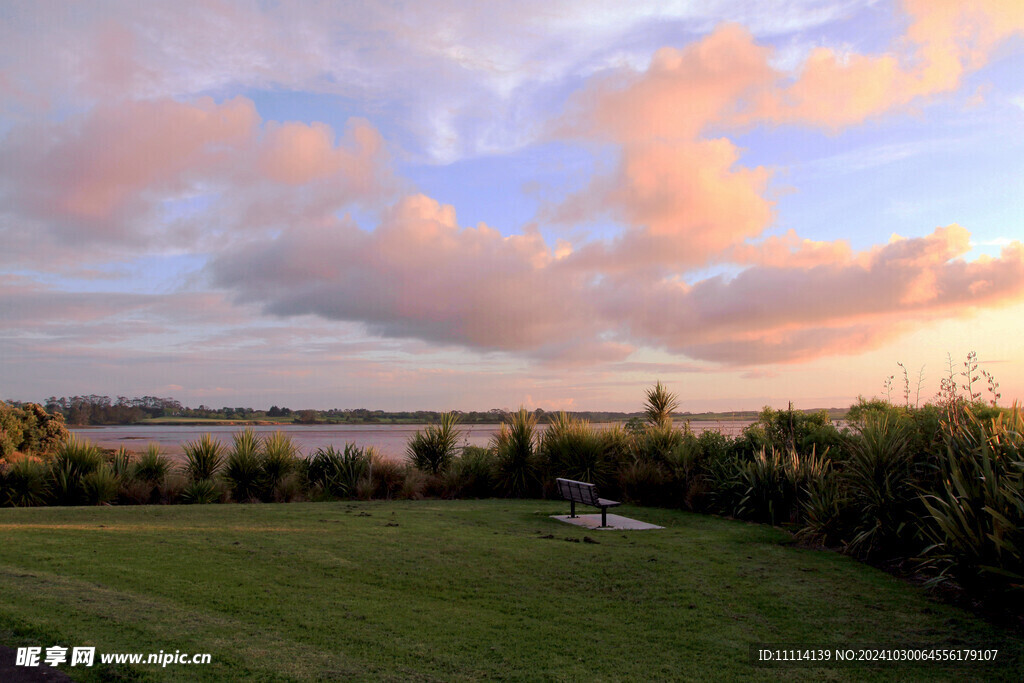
x=337, y=473
x=385, y=478
x=515, y=462
x=200, y=492
x=148, y=476
x=72, y=462
x=827, y=513
x=24, y=483
x=776, y=484
x=976, y=515
x=279, y=460
x=572, y=449
x=432, y=449
x=242, y=471
x=203, y=458
x=100, y=486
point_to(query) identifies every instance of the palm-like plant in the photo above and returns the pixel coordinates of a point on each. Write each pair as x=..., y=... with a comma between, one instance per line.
x=203, y=457
x=432, y=449
x=152, y=466
x=660, y=405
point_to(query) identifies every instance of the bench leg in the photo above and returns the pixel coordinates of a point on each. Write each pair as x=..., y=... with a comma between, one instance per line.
x=572, y=509
x=604, y=516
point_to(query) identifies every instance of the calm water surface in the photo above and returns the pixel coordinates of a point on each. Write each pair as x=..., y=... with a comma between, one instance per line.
x=389, y=440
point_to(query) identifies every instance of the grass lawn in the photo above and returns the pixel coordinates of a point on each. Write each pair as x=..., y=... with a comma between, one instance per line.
x=454, y=590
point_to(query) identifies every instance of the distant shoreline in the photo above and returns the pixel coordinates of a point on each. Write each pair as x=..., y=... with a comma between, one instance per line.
x=598, y=418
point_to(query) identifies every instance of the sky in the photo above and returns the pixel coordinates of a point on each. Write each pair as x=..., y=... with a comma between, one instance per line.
x=443, y=204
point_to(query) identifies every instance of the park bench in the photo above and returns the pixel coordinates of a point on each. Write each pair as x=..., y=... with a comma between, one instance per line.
x=582, y=492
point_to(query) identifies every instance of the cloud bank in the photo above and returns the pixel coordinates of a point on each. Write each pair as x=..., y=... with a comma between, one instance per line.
x=140, y=134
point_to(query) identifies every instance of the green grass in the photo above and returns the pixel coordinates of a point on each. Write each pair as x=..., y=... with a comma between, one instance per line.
x=454, y=590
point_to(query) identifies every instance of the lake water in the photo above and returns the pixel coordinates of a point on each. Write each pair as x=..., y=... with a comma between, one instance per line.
x=389, y=440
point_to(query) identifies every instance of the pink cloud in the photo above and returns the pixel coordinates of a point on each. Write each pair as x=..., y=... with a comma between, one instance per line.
x=683, y=195
x=790, y=250
x=789, y=313
x=419, y=275
x=104, y=177
x=945, y=40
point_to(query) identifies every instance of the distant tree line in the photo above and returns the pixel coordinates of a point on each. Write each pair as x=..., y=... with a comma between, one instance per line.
x=102, y=410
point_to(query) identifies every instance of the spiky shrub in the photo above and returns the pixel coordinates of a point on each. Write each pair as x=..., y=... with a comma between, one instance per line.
x=73, y=460
x=278, y=460
x=204, y=457
x=152, y=466
x=826, y=511
x=336, y=472
x=880, y=478
x=976, y=516
x=242, y=469
x=200, y=492
x=100, y=486
x=515, y=457
x=148, y=473
x=432, y=449
x=471, y=475
x=776, y=484
x=24, y=483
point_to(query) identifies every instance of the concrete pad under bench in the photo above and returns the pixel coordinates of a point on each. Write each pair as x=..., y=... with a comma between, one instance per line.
x=615, y=522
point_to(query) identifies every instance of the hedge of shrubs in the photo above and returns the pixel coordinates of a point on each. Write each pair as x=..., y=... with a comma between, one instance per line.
x=939, y=487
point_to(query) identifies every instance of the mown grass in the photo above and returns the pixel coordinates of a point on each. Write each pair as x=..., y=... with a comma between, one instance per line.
x=454, y=590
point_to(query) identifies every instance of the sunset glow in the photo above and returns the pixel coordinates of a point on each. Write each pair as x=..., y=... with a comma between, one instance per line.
x=449, y=205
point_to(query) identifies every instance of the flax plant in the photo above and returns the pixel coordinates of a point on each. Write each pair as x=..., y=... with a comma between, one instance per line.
x=515, y=447
x=976, y=517
x=432, y=449
x=242, y=471
x=278, y=460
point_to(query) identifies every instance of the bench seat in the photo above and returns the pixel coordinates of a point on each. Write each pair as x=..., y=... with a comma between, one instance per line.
x=585, y=493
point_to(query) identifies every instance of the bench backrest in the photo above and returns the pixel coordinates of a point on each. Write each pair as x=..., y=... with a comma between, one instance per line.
x=579, y=491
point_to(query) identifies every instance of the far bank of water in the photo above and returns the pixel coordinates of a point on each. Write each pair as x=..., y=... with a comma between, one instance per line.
x=389, y=440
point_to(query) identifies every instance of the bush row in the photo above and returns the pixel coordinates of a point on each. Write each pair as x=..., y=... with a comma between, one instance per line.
x=938, y=486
